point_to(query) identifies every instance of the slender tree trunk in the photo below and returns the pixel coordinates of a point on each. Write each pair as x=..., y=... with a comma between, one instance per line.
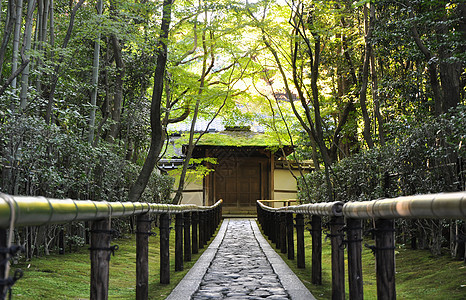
x=16, y=37
x=26, y=47
x=375, y=97
x=95, y=79
x=365, y=78
x=318, y=118
x=157, y=135
x=120, y=73
x=9, y=25
x=118, y=95
x=179, y=193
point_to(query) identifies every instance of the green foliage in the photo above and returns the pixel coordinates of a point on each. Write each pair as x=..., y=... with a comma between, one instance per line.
x=420, y=158
x=40, y=159
x=159, y=188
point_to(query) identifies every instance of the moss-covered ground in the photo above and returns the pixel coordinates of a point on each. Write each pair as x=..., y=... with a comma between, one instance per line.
x=67, y=276
x=419, y=275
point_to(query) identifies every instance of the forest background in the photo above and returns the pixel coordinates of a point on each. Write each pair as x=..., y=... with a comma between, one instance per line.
x=372, y=92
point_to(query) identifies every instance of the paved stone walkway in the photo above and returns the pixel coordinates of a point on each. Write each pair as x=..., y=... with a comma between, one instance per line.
x=240, y=269
x=240, y=264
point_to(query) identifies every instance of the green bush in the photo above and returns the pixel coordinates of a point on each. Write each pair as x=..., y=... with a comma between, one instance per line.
x=425, y=157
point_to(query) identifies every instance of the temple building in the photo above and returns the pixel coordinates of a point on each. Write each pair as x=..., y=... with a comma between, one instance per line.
x=247, y=168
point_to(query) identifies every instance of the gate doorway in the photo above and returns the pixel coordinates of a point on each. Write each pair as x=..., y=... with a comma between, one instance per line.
x=240, y=183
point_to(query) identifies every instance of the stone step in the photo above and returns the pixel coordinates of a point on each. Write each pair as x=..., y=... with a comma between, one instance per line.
x=238, y=216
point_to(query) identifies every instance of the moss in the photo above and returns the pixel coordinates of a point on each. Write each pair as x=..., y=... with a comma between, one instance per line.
x=234, y=138
x=67, y=276
x=418, y=274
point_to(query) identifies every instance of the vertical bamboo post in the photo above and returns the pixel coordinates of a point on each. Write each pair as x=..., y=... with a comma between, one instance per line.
x=187, y=236
x=100, y=259
x=316, y=233
x=354, y=249
x=143, y=225
x=194, y=237
x=282, y=232
x=164, y=248
x=300, y=254
x=179, y=226
x=385, y=258
x=290, y=235
x=338, y=258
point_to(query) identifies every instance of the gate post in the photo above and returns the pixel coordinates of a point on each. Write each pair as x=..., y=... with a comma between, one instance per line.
x=354, y=249
x=338, y=257
x=316, y=233
x=143, y=224
x=385, y=258
x=187, y=236
x=290, y=235
x=300, y=254
x=201, y=229
x=100, y=259
x=164, y=248
x=7, y=281
x=194, y=237
x=276, y=219
x=179, y=225
x=3, y=257
x=282, y=217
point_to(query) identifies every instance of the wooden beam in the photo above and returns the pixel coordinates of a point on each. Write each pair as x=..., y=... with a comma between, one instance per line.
x=143, y=226
x=164, y=248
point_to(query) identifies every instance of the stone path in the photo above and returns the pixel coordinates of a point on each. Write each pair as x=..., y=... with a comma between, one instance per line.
x=240, y=264
x=240, y=269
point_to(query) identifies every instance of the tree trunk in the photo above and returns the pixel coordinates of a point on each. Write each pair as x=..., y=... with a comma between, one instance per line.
x=27, y=46
x=375, y=97
x=365, y=78
x=95, y=79
x=120, y=73
x=118, y=95
x=179, y=193
x=157, y=135
x=16, y=37
x=9, y=25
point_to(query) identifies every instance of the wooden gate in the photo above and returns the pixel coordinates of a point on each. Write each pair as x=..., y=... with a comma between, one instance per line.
x=240, y=183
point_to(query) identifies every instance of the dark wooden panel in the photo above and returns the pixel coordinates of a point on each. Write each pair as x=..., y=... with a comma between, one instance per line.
x=239, y=183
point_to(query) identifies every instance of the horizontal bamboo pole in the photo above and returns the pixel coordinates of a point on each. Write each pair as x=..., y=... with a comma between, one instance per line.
x=29, y=210
x=435, y=206
x=321, y=209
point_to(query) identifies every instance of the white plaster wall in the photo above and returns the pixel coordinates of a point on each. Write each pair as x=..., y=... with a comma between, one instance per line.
x=285, y=186
x=191, y=184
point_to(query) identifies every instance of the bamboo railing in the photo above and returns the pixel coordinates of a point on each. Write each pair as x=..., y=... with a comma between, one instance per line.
x=200, y=221
x=346, y=232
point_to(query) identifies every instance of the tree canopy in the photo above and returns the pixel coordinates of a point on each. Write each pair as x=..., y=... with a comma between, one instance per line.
x=88, y=89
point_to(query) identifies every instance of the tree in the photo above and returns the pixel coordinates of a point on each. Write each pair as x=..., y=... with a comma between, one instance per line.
x=95, y=78
x=157, y=134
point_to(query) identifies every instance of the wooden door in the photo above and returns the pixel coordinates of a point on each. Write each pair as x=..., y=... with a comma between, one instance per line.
x=240, y=183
